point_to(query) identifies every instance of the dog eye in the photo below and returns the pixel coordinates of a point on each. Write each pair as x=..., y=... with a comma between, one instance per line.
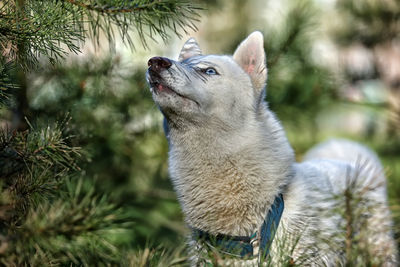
x=210, y=71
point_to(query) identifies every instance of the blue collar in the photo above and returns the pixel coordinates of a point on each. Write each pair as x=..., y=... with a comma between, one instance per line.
x=258, y=244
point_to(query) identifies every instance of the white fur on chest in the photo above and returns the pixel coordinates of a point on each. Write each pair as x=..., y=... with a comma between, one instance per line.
x=227, y=185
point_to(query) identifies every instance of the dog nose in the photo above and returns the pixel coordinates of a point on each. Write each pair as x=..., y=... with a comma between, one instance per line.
x=159, y=63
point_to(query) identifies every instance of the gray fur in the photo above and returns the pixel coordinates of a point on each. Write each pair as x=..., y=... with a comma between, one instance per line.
x=229, y=157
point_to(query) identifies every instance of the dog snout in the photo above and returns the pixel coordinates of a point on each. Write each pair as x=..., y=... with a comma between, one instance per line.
x=159, y=63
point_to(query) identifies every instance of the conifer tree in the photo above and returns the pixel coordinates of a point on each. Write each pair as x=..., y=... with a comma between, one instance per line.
x=53, y=28
x=51, y=212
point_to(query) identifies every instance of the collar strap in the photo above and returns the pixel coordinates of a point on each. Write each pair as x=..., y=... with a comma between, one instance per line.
x=258, y=244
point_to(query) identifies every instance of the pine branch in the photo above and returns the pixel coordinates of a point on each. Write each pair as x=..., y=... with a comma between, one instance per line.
x=40, y=147
x=7, y=81
x=145, y=18
x=46, y=26
x=381, y=18
x=76, y=229
x=107, y=9
x=32, y=166
x=46, y=218
x=300, y=24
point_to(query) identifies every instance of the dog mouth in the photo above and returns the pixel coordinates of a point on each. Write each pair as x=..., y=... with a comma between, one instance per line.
x=158, y=87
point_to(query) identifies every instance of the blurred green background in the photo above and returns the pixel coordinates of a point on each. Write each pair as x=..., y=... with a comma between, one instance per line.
x=333, y=71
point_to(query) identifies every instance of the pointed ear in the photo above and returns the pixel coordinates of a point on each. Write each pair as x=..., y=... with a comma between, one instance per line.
x=250, y=56
x=189, y=49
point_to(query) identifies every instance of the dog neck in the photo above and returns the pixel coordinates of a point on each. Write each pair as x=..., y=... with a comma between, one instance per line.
x=226, y=182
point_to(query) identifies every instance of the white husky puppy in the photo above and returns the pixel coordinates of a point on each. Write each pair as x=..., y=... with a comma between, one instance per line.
x=240, y=189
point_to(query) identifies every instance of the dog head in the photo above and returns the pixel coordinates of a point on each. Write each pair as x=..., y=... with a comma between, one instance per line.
x=198, y=88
